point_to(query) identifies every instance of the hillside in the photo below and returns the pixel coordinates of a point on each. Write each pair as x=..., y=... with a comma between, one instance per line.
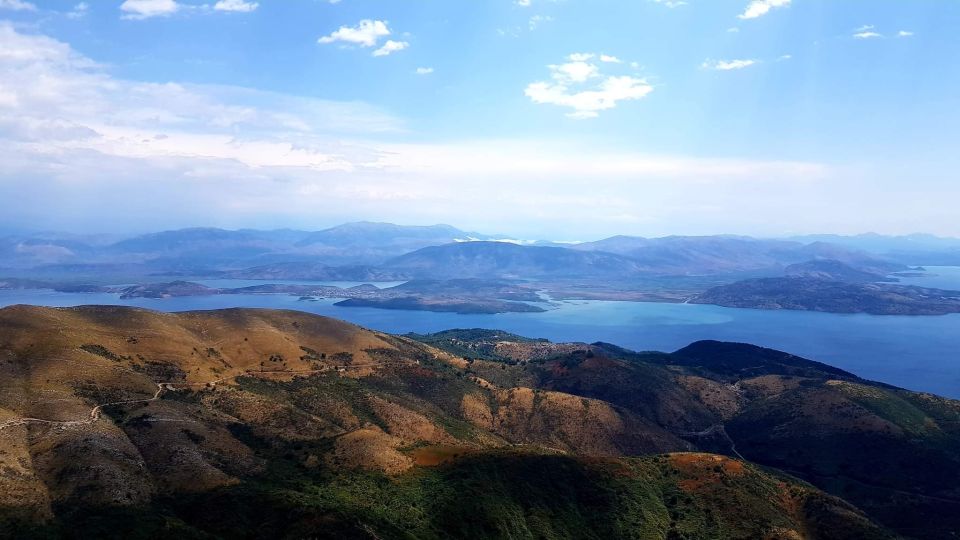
x=284, y=424
x=830, y=269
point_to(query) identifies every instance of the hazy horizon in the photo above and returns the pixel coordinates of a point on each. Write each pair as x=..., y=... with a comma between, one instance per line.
x=494, y=236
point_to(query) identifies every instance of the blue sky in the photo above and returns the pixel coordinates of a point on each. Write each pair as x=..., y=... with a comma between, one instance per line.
x=563, y=119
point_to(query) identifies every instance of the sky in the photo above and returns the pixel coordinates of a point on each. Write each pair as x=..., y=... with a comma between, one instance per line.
x=555, y=119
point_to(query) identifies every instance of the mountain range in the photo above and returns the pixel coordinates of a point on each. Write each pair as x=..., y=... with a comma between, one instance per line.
x=367, y=250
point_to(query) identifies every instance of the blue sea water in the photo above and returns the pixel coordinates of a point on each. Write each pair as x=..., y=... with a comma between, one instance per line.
x=915, y=352
x=937, y=277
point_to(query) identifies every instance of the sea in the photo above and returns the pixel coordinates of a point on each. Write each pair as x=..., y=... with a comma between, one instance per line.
x=919, y=353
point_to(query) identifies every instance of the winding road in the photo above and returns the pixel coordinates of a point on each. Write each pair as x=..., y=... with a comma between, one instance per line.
x=716, y=428
x=97, y=411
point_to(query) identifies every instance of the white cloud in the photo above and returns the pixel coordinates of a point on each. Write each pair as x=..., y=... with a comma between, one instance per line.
x=53, y=100
x=366, y=33
x=727, y=65
x=17, y=5
x=784, y=57
x=424, y=70
x=733, y=29
x=575, y=71
x=79, y=10
x=866, y=32
x=75, y=139
x=537, y=20
x=671, y=3
x=904, y=33
x=580, y=57
x=610, y=59
x=759, y=8
x=391, y=46
x=236, y=5
x=523, y=3
x=145, y=9
x=569, y=88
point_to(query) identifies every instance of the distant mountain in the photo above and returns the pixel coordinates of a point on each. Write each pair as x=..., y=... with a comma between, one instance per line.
x=313, y=271
x=26, y=250
x=204, y=249
x=194, y=252
x=367, y=234
x=913, y=249
x=724, y=254
x=195, y=239
x=207, y=251
x=878, y=243
x=507, y=260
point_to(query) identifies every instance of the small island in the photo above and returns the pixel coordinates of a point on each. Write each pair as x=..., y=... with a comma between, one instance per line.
x=451, y=305
x=813, y=294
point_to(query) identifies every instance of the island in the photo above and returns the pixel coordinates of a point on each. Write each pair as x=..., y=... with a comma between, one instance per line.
x=813, y=294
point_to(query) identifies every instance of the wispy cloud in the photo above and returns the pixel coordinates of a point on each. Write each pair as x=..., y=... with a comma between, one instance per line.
x=79, y=11
x=728, y=65
x=671, y=3
x=57, y=99
x=145, y=9
x=424, y=70
x=759, y=8
x=534, y=22
x=236, y=6
x=904, y=33
x=866, y=32
x=17, y=5
x=578, y=84
x=75, y=138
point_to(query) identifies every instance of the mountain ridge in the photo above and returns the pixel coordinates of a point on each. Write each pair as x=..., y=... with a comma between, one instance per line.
x=263, y=406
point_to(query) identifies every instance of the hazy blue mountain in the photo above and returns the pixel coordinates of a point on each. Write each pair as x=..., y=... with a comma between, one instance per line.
x=207, y=251
x=368, y=250
x=878, y=243
x=32, y=249
x=366, y=234
x=726, y=254
x=244, y=241
x=913, y=249
x=504, y=259
x=314, y=271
